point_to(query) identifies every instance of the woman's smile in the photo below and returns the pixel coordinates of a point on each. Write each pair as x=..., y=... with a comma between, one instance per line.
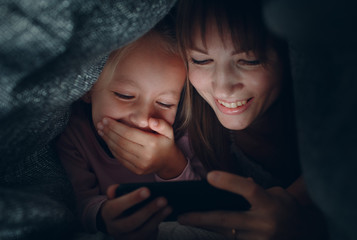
x=234, y=83
x=233, y=104
x=236, y=107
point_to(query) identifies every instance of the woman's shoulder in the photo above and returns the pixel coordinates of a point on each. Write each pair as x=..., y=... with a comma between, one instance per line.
x=249, y=168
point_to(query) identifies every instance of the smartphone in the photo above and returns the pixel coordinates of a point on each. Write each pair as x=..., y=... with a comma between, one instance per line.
x=187, y=196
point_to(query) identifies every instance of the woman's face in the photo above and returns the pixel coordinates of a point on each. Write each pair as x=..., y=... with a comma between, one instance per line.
x=146, y=84
x=235, y=84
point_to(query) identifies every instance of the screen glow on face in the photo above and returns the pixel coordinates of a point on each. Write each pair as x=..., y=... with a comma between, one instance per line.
x=146, y=83
x=237, y=86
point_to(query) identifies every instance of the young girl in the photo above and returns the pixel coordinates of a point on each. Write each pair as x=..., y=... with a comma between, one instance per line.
x=243, y=121
x=138, y=90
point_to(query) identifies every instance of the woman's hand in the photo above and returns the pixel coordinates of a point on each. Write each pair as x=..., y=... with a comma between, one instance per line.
x=144, y=152
x=274, y=213
x=143, y=224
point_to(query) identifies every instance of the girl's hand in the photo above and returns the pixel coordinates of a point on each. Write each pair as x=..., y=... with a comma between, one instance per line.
x=142, y=224
x=274, y=213
x=144, y=152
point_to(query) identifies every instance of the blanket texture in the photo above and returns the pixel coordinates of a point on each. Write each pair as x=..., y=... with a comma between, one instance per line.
x=51, y=54
x=323, y=46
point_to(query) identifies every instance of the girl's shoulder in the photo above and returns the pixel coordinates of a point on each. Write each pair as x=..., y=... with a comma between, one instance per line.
x=80, y=111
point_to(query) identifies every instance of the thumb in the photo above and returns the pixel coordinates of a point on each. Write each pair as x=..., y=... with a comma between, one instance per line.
x=246, y=187
x=111, y=191
x=162, y=127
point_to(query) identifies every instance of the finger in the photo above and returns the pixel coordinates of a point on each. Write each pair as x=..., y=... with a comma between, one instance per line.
x=161, y=127
x=119, y=145
x=120, y=148
x=131, y=134
x=233, y=233
x=242, y=234
x=111, y=191
x=127, y=159
x=137, y=219
x=215, y=220
x=151, y=226
x=132, y=161
x=126, y=152
x=251, y=191
x=128, y=164
x=118, y=205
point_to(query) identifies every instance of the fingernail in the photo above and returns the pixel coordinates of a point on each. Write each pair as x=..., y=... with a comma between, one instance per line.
x=144, y=193
x=213, y=176
x=161, y=202
x=105, y=121
x=155, y=122
x=250, y=179
x=100, y=126
x=100, y=133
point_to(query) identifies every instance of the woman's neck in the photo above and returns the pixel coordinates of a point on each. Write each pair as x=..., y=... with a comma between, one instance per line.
x=271, y=142
x=267, y=125
x=262, y=140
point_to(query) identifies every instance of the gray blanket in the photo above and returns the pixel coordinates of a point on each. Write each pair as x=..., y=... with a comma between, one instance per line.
x=51, y=52
x=323, y=43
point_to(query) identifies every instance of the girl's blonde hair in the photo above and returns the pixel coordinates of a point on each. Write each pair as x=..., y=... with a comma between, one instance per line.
x=165, y=30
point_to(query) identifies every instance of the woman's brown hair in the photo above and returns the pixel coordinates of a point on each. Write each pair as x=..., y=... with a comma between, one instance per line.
x=244, y=20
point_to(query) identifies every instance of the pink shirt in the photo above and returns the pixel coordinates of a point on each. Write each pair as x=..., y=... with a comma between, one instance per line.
x=91, y=170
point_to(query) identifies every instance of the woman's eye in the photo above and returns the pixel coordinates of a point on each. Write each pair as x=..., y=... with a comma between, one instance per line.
x=200, y=62
x=165, y=105
x=249, y=62
x=123, y=96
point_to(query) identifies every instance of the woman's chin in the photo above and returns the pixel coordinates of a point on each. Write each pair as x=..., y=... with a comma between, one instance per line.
x=233, y=124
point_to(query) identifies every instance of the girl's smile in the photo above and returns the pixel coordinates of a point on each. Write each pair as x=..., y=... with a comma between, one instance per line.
x=140, y=87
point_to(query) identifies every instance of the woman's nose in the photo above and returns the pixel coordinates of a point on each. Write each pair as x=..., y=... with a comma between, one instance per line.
x=225, y=81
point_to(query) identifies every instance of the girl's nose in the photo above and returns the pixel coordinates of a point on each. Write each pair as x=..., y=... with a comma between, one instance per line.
x=140, y=117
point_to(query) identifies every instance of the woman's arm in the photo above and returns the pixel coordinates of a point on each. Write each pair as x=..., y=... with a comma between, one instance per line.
x=274, y=213
x=299, y=191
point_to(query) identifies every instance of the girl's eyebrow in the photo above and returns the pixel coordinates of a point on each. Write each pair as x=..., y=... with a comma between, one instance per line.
x=171, y=93
x=123, y=79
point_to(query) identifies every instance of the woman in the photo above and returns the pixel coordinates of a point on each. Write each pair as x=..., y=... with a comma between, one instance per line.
x=243, y=121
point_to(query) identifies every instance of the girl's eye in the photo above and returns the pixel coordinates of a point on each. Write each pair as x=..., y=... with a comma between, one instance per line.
x=123, y=96
x=249, y=62
x=165, y=105
x=200, y=62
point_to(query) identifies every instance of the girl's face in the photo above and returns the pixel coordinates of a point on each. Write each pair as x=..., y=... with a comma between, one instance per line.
x=146, y=83
x=235, y=84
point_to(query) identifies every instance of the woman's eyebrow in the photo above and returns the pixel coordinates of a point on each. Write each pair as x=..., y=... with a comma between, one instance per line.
x=197, y=49
x=249, y=54
x=204, y=51
x=235, y=52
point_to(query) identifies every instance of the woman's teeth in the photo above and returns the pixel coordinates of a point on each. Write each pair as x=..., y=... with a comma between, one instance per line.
x=233, y=104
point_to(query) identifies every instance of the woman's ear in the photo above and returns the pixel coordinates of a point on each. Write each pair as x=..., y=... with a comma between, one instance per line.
x=87, y=97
